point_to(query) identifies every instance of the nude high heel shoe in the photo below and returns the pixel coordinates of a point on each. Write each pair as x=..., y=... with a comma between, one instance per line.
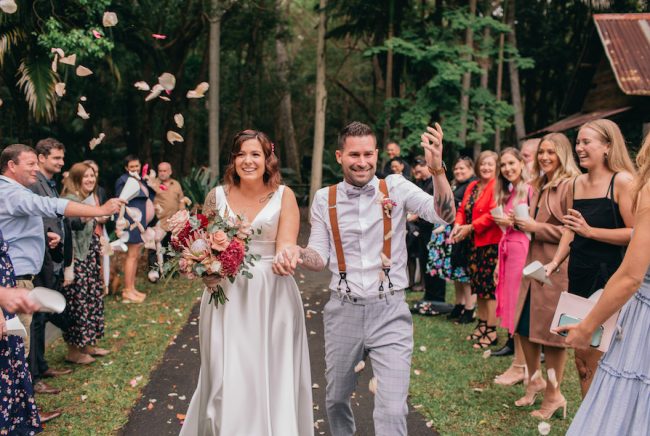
x=546, y=412
x=531, y=391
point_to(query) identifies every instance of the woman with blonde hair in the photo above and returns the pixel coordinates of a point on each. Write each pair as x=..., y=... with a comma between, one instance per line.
x=83, y=286
x=600, y=221
x=512, y=191
x=618, y=401
x=555, y=170
x=474, y=221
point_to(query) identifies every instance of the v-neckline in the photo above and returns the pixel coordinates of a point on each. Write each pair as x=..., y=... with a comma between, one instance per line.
x=225, y=198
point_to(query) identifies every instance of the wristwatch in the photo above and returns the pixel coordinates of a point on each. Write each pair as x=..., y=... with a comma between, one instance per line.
x=441, y=170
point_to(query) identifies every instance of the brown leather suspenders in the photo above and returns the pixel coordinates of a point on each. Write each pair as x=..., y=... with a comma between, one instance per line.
x=338, y=245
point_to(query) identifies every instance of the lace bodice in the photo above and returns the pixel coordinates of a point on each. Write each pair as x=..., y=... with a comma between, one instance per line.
x=267, y=220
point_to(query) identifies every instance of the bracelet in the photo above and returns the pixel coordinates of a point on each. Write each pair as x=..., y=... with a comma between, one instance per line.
x=438, y=171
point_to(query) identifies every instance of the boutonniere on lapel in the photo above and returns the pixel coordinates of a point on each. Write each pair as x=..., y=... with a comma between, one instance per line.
x=387, y=204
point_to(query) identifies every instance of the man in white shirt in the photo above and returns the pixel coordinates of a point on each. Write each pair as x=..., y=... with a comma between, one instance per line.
x=367, y=314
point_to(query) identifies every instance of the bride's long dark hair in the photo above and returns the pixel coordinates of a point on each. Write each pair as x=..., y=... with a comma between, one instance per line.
x=272, y=177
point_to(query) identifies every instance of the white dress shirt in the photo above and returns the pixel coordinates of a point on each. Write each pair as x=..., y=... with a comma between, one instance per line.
x=362, y=232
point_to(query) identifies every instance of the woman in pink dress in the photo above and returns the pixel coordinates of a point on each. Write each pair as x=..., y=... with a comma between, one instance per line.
x=512, y=194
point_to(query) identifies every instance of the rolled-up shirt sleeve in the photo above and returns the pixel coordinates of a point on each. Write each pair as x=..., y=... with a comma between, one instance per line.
x=319, y=239
x=18, y=201
x=415, y=199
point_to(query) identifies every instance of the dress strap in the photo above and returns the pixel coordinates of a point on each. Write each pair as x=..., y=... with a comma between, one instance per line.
x=610, y=189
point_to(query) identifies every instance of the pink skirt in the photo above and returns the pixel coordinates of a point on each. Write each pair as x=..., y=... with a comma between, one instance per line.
x=513, y=250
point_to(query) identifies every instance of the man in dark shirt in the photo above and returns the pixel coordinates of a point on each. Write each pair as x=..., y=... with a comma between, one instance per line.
x=393, y=150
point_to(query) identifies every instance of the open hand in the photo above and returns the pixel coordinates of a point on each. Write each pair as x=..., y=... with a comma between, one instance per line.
x=431, y=141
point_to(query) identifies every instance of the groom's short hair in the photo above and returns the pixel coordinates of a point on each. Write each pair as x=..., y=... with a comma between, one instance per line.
x=355, y=128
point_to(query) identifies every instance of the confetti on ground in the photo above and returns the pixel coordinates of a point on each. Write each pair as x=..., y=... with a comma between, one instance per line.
x=423, y=348
x=417, y=372
x=315, y=386
x=544, y=428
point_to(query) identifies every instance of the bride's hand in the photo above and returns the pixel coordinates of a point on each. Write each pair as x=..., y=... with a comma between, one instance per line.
x=286, y=261
x=211, y=281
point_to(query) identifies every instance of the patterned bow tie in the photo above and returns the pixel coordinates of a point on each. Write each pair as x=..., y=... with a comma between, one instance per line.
x=354, y=192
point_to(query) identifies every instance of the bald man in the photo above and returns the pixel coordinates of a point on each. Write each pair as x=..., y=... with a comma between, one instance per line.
x=528, y=151
x=168, y=201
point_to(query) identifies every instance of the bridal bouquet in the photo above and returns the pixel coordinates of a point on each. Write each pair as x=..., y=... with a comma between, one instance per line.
x=201, y=246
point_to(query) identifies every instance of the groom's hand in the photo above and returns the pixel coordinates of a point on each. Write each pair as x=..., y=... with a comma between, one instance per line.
x=431, y=141
x=286, y=261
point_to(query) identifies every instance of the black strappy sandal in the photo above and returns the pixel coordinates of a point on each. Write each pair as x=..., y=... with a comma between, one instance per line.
x=481, y=344
x=479, y=331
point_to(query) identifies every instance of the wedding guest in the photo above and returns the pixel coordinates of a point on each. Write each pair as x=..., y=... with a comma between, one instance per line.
x=554, y=171
x=512, y=191
x=433, y=301
x=618, y=401
x=600, y=221
x=83, y=287
x=18, y=411
x=399, y=166
x=528, y=152
x=450, y=260
x=393, y=150
x=102, y=225
x=51, y=155
x=144, y=204
x=169, y=200
x=474, y=221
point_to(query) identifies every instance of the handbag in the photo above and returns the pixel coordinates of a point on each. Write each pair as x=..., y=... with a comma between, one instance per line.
x=575, y=308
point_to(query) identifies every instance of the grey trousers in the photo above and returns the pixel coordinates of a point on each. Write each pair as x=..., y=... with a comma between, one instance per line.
x=381, y=329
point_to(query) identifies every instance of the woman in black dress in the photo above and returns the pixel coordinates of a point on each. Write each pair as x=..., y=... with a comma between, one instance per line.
x=600, y=221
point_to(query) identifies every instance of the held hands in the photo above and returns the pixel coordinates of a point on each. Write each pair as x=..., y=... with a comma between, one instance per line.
x=431, y=141
x=526, y=224
x=578, y=336
x=287, y=260
x=574, y=221
x=53, y=239
x=461, y=232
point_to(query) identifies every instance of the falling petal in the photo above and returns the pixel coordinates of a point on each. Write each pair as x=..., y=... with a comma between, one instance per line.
x=372, y=385
x=69, y=60
x=8, y=6
x=199, y=91
x=96, y=34
x=174, y=137
x=1, y=102
x=158, y=36
x=167, y=81
x=57, y=51
x=59, y=88
x=142, y=86
x=55, y=62
x=109, y=19
x=359, y=366
x=544, y=428
x=552, y=378
x=179, y=120
x=163, y=98
x=315, y=386
x=96, y=141
x=82, y=112
x=83, y=98
x=83, y=71
x=487, y=354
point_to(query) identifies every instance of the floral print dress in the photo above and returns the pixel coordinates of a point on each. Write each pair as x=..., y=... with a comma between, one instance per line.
x=85, y=305
x=482, y=260
x=439, y=264
x=18, y=412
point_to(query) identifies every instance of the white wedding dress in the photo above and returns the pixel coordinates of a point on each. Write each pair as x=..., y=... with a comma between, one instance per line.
x=255, y=376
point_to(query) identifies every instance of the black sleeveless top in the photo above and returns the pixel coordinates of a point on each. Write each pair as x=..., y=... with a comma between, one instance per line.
x=591, y=262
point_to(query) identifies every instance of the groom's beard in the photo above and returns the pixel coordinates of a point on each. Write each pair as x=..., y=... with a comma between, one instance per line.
x=350, y=176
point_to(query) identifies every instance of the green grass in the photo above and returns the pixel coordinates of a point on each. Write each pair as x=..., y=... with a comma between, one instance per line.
x=455, y=389
x=138, y=336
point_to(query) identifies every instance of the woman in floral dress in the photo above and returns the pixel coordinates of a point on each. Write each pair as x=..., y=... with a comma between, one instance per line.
x=18, y=412
x=83, y=285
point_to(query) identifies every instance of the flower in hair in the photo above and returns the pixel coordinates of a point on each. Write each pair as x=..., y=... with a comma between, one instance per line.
x=272, y=148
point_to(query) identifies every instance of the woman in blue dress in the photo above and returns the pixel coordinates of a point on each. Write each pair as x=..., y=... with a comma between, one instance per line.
x=18, y=412
x=618, y=401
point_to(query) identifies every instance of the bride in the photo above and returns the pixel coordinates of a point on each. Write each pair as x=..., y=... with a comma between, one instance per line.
x=255, y=375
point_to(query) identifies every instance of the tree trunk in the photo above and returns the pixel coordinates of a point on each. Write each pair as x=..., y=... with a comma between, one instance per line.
x=467, y=77
x=515, y=91
x=290, y=146
x=497, y=131
x=213, y=96
x=485, y=69
x=389, y=67
x=321, y=105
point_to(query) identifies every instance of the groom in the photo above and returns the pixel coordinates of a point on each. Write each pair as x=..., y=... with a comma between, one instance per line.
x=358, y=230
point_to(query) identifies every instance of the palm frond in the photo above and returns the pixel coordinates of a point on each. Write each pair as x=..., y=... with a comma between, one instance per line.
x=8, y=40
x=36, y=79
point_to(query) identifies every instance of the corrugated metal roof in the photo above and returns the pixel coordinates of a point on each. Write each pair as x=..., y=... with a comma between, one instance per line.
x=578, y=119
x=626, y=39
